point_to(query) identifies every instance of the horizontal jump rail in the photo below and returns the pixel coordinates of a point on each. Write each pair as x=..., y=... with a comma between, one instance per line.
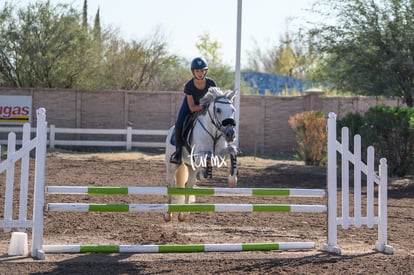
x=95, y=207
x=168, y=191
x=177, y=248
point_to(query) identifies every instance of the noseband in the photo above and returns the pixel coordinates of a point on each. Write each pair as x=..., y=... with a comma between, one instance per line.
x=226, y=122
x=229, y=121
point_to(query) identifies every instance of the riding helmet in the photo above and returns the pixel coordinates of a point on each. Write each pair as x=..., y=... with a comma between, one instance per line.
x=199, y=63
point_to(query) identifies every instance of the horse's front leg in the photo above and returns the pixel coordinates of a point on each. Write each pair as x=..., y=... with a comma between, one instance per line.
x=234, y=172
x=232, y=178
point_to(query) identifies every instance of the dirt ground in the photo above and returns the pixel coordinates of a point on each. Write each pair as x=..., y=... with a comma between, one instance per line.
x=133, y=169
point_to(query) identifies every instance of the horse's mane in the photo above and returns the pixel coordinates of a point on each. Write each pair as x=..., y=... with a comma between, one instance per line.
x=213, y=93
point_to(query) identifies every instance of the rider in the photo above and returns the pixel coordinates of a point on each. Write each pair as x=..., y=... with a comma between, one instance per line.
x=194, y=89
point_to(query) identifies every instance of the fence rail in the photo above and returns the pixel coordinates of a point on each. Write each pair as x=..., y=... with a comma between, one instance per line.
x=127, y=142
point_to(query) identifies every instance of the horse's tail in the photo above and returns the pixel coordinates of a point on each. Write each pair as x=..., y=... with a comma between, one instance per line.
x=181, y=176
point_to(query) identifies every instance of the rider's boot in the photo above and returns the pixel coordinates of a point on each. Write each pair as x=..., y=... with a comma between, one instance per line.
x=176, y=156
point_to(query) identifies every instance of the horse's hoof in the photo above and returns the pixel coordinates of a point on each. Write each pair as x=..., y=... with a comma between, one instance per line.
x=182, y=217
x=167, y=216
x=232, y=181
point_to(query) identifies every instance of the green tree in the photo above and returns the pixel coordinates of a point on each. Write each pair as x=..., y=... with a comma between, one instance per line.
x=38, y=45
x=210, y=50
x=284, y=59
x=97, y=27
x=85, y=14
x=48, y=46
x=367, y=46
x=289, y=57
x=138, y=65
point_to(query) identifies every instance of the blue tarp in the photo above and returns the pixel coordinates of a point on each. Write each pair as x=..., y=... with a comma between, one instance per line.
x=275, y=84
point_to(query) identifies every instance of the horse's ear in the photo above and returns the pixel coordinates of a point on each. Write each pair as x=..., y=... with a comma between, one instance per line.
x=233, y=95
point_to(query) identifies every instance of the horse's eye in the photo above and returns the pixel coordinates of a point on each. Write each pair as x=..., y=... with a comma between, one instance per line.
x=218, y=110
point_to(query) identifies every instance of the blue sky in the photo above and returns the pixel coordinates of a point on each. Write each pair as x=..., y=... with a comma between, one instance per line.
x=183, y=21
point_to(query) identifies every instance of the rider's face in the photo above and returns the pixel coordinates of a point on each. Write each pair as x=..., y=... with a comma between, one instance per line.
x=199, y=73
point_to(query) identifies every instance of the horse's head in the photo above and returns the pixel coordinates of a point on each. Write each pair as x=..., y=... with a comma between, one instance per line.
x=221, y=111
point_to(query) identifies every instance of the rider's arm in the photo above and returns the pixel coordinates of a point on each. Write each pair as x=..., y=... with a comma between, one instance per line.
x=193, y=107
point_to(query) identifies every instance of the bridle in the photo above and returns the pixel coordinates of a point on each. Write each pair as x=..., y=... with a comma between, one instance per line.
x=221, y=126
x=224, y=128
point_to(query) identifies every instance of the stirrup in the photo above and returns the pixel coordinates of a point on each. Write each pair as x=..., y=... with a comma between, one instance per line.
x=175, y=158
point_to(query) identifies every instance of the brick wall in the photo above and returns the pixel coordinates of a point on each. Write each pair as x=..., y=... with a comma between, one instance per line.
x=263, y=126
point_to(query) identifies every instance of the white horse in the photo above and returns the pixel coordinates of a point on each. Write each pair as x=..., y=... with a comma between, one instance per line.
x=210, y=144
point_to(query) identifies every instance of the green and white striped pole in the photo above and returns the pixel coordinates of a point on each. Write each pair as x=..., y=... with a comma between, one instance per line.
x=168, y=191
x=95, y=207
x=177, y=248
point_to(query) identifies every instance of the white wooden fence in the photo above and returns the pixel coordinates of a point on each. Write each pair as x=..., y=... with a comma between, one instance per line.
x=128, y=133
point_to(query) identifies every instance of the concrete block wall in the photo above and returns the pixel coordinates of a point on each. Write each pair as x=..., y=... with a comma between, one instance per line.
x=263, y=126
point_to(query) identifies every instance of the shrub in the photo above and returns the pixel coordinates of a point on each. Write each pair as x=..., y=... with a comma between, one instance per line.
x=390, y=130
